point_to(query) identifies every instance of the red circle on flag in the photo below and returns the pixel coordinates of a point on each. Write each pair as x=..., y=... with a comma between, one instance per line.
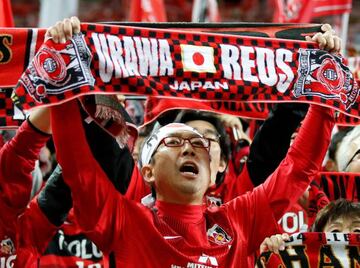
x=198, y=58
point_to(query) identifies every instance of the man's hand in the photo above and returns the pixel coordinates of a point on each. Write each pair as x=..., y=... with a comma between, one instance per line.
x=326, y=40
x=234, y=123
x=274, y=243
x=63, y=30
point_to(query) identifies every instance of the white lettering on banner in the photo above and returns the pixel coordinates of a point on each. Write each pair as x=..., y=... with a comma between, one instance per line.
x=248, y=64
x=195, y=85
x=7, y=262
x=132, y=56
x=79, y=247
x=297, y=220
x=285, y=79
x=256, y=64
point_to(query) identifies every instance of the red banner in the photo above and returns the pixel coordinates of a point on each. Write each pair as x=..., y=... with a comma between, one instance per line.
x=324, y=8
x=340, y=185
x=17, y=47
x=293, y=11
x=147, y=10
x=304, y=11
x=6, y=16
x=155, y=107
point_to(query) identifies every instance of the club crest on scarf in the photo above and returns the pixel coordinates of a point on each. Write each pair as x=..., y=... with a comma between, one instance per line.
x=217, y=235
x=55, y=71
x=329, y=77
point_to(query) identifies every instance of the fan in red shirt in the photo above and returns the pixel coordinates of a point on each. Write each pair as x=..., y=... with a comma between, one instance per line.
x=49, y=235
x=17, y=161
x=178, y=231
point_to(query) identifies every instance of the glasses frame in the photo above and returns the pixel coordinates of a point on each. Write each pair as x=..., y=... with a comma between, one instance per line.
x=217, y=139
x=182, y=142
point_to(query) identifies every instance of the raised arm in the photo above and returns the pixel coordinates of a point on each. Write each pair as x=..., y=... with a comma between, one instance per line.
x=302, y=162
x=17, y=160
x=94, y=196
x=265, y=205
x=270, y=200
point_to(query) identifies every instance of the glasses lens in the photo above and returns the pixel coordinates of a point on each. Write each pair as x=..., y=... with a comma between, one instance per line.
x=199, y=142
x=173, y=141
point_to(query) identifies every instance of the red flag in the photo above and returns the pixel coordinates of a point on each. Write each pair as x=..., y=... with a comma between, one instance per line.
x=147, y=11
x=293, y=11
x=331, y=7
x=6, y=16
x=305, y=10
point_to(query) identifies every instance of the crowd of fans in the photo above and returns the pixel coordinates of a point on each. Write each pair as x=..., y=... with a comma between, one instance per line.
x=209, y=190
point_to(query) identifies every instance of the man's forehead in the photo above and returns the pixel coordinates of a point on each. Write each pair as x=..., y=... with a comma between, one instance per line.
x=184, y=133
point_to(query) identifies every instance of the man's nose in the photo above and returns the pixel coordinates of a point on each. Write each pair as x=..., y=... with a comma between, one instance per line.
x=187, y=148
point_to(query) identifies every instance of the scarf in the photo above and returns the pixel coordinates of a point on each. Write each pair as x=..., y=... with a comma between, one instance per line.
x=157, y=106
x=315, y=250
x=340, y=185
x=181, y=65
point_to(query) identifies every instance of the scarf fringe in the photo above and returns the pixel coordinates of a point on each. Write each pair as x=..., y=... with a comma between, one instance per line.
x=107, y=108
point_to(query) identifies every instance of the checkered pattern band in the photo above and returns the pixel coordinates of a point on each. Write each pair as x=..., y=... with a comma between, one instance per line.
x=10, y=116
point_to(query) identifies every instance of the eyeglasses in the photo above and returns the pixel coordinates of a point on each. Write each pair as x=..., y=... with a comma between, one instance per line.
x=213, y=138
x=197, y=142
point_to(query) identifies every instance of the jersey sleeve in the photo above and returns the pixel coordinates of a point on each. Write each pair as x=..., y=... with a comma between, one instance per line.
x=34, y=234
x=94, y=196
x=256, y=213
x=17, y=161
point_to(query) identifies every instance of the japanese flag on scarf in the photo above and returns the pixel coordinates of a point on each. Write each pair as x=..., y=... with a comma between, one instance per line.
x=198, y=59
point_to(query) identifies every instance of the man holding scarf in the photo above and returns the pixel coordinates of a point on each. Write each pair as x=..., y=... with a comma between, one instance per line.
x=178, y=231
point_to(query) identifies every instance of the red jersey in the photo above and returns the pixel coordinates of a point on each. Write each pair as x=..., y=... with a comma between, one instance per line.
x=164, y=237
x=17, y=161
x=43, y=245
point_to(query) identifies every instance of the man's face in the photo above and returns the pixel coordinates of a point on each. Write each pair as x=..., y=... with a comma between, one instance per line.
x=209, y=131
x=179, y=174
x=343, y=225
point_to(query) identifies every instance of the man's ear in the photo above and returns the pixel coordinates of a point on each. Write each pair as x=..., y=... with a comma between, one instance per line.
x=148, y=174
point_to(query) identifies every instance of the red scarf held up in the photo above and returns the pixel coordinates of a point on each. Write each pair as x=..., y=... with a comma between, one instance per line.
x=186, y=65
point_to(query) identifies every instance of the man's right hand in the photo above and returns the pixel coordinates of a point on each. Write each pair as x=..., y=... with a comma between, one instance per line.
x=63, y=30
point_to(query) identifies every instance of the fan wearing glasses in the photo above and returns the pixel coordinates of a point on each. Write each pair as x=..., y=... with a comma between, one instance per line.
x=179, y=231
x=211, y=127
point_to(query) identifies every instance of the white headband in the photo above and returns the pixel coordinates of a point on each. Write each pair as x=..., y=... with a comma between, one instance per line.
x=151, y=144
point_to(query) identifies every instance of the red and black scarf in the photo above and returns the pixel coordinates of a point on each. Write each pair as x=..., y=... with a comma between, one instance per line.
x=208, y=65
x=315, y=250
x=340, y=185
